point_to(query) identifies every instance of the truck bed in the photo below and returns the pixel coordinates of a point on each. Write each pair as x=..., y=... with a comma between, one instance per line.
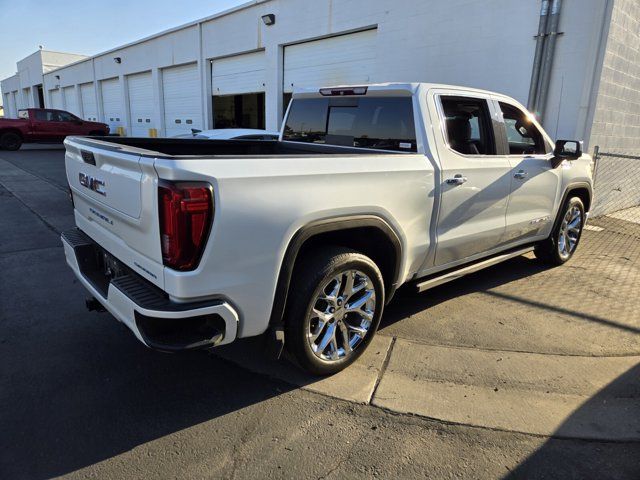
x=187, y=147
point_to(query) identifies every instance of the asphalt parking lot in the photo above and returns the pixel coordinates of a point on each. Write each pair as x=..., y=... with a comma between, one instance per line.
x=518, y=371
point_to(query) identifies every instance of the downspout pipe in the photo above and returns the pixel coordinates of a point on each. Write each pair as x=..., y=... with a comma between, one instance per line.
x=537, y=58
x=547, y=63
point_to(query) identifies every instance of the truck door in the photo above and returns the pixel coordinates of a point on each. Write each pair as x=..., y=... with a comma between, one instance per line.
x=44, y=126
x=70, y=124
x=534, y=181
x=475, y=181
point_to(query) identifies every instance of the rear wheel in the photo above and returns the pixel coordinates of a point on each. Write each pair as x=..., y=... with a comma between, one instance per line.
x=564, y=239
x=336, y=302
x=10, y=141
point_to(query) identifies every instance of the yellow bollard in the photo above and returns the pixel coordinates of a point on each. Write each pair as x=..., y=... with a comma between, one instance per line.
x=121, y=131
x=153, y=133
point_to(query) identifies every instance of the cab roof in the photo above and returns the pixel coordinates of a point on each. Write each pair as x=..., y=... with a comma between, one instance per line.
x=408, y=88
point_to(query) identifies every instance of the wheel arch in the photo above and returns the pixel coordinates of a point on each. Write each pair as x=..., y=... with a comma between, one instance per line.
x=12, y=130
x=381, y=243
x=582, y=190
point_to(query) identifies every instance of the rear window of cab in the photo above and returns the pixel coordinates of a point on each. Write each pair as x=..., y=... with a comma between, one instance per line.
x=381, y=123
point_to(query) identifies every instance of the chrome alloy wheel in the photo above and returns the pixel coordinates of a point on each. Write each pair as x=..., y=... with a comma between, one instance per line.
x=341, y=315
x=569, y=232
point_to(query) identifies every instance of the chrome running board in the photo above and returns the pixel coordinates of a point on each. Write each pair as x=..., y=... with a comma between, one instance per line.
x=436, y=280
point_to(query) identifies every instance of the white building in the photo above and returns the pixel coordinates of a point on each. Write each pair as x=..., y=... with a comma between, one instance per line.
x=237, y=68
x=25, y=88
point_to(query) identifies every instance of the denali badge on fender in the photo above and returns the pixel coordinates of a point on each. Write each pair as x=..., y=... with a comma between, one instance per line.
x=92, y=183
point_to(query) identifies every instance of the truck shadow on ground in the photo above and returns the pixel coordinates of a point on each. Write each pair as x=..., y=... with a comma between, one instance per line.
x=618, y=458
x=408, y=302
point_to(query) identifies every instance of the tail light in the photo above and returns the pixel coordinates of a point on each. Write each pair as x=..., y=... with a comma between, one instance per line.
x=185, y=211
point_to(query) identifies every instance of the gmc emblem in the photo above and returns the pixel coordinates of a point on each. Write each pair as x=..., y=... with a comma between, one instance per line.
x=92, y=183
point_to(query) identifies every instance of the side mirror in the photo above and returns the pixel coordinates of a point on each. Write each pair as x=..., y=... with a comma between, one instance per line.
x=79, y=122
x=566, y=150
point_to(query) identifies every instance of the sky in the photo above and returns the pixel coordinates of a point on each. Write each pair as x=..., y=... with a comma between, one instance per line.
x=90, y=26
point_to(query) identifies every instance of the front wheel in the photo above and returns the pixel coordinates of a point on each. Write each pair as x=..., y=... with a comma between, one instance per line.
x=336, y=302
x=564, y=239
x=10, y=141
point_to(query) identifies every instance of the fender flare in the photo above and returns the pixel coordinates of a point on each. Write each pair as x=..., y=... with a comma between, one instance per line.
x=325, y=225
x=567, y=191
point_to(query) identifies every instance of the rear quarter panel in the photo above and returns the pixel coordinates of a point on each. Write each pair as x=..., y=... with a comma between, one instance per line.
x=260, y=203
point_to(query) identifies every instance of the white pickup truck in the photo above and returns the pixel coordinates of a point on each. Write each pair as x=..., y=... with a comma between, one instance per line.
x=195, y=243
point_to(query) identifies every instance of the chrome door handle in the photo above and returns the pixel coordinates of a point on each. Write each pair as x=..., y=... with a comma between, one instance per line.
x=456, y=180
x=521, y=175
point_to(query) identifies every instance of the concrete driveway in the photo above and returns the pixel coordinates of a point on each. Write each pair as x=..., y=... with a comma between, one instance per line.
x=516, y=371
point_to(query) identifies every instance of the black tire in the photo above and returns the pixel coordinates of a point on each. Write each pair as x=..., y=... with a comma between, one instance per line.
x=309, y=278
x=10, y=141
x=550, y=251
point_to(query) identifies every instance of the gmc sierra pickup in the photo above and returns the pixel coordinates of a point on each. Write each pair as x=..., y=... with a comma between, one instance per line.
x=43, y=125
x=195, y=243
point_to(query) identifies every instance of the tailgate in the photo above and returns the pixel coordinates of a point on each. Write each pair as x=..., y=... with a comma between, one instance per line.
x=115, y=199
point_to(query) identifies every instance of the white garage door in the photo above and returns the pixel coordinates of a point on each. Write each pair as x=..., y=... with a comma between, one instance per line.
x=26, y=96
x=10, y=106
x=89, y=105
x=56, y=98
x=346, y=59
x=112, y=103
x=71, y=100
x=20, y=100
x=141, y=103
x=182, y=99
x=239, y=74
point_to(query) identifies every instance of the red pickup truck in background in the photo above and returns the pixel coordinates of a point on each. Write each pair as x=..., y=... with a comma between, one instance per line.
x=44, y=125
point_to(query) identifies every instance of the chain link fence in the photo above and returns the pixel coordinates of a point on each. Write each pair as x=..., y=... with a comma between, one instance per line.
x=611, y=240
x=616, y=184
x=616, y=204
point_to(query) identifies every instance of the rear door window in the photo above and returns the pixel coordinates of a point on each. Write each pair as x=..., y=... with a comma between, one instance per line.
x=382, y=123
x=468, y=125
x=46, y=115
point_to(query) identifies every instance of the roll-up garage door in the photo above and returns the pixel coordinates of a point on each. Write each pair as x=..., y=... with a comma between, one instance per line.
x=12, y=110
x=345, y=59
x=182, y=99
x=20, y=100
x=141, y=103
x=112, y=103
x=238, y=85
x=238, y=74
x=7, y=107
x=71, y=100
x=26, y=96
x=56, y=98
x=89, y=106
